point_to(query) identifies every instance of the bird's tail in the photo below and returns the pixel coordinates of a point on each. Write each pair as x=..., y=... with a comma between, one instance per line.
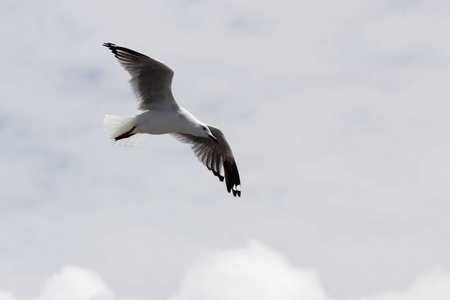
x=120, y=130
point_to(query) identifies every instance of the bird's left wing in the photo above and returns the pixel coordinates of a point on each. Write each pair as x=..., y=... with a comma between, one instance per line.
x=151, y=80
x=217, y=157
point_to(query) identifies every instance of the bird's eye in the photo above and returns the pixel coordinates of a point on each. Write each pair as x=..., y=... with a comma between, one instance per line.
x=204, y=127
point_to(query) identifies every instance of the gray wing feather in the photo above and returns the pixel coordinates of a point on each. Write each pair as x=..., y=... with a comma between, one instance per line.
x=217, y=157
x=151, y=80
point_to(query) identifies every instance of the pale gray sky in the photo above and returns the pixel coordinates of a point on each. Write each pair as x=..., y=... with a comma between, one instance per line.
x=337, y=113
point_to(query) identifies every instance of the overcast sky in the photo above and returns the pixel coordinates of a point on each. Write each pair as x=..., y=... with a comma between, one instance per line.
x=337, y=113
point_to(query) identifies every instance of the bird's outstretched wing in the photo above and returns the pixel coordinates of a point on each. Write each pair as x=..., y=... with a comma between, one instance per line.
x=151, y=80
x=217, y=157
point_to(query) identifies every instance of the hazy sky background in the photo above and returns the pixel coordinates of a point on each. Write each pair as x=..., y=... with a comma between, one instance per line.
x=338, y=116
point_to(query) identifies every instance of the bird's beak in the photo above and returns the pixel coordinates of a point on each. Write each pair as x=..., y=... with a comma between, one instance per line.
x=213, y=138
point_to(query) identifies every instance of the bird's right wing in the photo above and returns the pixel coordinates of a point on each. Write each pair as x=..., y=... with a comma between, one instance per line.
x=151, y=80
x=217, y=157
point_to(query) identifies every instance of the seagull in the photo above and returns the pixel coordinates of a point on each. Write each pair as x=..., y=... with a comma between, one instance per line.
x=151, y=82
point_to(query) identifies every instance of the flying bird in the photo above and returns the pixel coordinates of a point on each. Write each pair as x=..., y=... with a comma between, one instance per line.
x=151, y=82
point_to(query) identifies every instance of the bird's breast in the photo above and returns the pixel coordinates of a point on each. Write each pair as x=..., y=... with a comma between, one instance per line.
x=162, y=122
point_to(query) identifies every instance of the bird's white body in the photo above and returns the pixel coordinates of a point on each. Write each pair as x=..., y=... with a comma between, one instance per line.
x=167, y=121
x=155, y=121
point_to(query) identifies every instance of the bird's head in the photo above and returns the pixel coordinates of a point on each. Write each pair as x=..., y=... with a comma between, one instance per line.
x=206, y=132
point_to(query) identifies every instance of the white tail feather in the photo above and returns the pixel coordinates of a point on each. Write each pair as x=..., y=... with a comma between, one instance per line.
x=117, y=125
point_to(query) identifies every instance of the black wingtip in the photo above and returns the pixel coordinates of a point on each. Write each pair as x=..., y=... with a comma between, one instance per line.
x=111, y=46
x=119, y=51
x=232, y=180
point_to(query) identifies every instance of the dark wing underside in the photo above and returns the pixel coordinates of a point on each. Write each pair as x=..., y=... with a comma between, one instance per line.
x=151, y=80
x=217, y=157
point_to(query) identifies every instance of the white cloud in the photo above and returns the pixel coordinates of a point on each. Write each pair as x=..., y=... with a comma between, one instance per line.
x=253, y=272
x=4, y=295
x=75, y=283
x=434, y=286
x=250, y=272
x=256, y=272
